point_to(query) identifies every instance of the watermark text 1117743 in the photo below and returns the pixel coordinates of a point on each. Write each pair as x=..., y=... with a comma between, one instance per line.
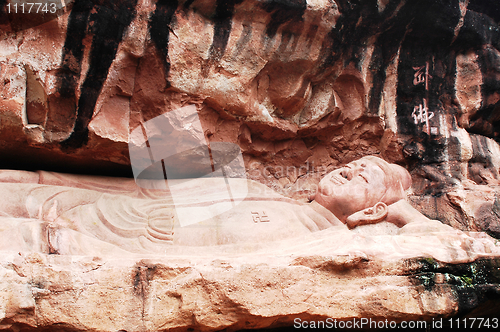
x=17, y=15
x=473, y=323
x=31, y=8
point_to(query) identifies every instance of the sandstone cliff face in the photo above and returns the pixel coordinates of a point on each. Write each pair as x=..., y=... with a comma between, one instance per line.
x=301, y=87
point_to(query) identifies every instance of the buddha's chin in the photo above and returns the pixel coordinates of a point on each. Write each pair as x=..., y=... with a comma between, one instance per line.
x=320, y=199
x=325, y=190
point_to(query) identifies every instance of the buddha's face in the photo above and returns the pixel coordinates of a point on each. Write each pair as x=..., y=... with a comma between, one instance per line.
x=352, y=188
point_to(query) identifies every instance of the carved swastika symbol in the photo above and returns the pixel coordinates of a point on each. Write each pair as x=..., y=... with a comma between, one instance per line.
x=260, y=217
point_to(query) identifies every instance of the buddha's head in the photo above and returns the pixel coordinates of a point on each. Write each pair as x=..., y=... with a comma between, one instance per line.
x=363, y=188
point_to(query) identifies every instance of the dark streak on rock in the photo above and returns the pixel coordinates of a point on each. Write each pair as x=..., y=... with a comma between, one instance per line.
x=187, y=4
x=246, y=36
x=159, y=27
x=384, y=53
x=359, y=20
x=142, y=275
x=4, y=18
x=431, y=39
x=285, y=41
x=427, y=42
x=107, y=22
x=283, y=11
x=311, y=35
x=480, y=152
x=222, y=30
x=481, y=33
x=62, y=107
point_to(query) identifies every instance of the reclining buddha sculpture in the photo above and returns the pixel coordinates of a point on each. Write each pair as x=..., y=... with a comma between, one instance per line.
x=74, y=214
x=45, y=209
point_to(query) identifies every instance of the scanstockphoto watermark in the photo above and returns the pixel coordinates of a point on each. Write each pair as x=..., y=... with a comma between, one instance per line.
x=363, y=323
x=372, y=324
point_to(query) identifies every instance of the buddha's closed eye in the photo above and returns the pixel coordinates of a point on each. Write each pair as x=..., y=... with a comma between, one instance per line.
x=363, y=177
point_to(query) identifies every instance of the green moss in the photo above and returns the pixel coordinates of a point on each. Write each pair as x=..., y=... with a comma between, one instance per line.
x=428, y=264
x=430, y=260
x=466, y=280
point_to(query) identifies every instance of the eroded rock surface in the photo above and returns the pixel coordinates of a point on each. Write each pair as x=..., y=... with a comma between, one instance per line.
x=226, y=291
x=301, y=87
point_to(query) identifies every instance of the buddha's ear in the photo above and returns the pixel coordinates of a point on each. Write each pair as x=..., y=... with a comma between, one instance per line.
x=371, y=215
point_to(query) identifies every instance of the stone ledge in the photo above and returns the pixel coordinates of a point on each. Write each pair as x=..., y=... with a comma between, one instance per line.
x=208, y=294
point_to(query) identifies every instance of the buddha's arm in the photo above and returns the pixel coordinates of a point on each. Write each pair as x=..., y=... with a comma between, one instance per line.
x=35, y=201
x=102, y=184
x=402, y=213
x=17, y=201
x=15, y=176
x=322, y=217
